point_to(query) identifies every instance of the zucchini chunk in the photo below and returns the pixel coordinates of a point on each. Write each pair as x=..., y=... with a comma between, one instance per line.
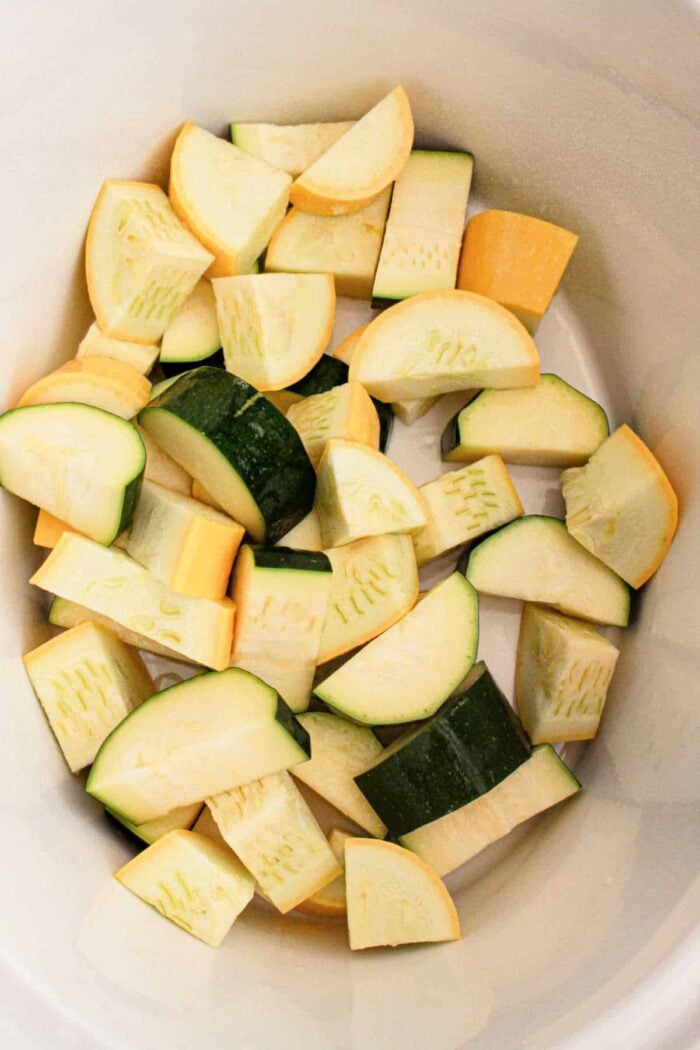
x=202, y=736
x=424, y=230
x=330, y=901
x=110, y=583
x=193, y=882
x=203, y=495
x=141, y=263
x=233, y=441
x=339, y=751
x=86, y=681
x=375, y=583
x=306, y=536
x=515, y=259
x=394, y=898
x=64, y=613
x=392, y=680
x=288, y=147
x=141, y=356
x=274, y=326
x=79, y=463
x=621, y=507
x=473, y=743
x=181, y=819
x=161, y=468
x=346, y=246
x=362, y=163
x=100, y=382
x=542, y=781
x=281, y=597
x=362, y=493
x=562, y=675
x=464, y=504
x=551, y=425
x=535, y=559
x=186, y=545
x=231, y=201
x=442, y=342
x=270, y=827
x=345, y=412
x=192, y=337
x=326, y=374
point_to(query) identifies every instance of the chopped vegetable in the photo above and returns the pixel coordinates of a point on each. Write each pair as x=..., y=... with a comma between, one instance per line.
x=192, y=337
x=141, y=356
x=98, y=381
x=288, y=147
x=326, y=374
x=162, y=469
x=64, y=613
x=306, y=536
x=345, y=412
x=181, y=819
x=329, y=902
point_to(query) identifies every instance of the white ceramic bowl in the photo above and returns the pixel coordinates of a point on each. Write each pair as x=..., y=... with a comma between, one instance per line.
x=581, y=936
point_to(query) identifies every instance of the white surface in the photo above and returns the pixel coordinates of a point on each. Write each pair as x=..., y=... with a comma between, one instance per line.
x=579, y=938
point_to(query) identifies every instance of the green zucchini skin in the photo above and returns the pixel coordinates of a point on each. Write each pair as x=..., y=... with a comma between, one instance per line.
x=257, y=440
x=285, y=558
x=329, y=372
x=471, y=744
x=131, y=498
x=176, y=368
x=287, y=719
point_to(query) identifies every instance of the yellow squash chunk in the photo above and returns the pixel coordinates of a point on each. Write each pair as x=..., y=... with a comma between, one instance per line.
x=329, y=902
x=192, y=881
x=87, y=681
x=343, y=412
x=394, y=898
x=48, y=529
x=180, y=819
x=340, y=751
x=231, y=201
x=281, y=607
x=187, y=545
x=269, y=826
x=621, y=507
x=306, y=536
x=283, y=399
x=361, y=493
x=346, y=246
x=64, y=613
x=409, y=410
x=203, y=495
x=464, y=504
x=110, y=583
x=274, y=327
x=102, y=382
x=442, y=342
x=288, y=147
x=563, y=671
x=193, y=334
x=362, y=163
x=141, y=356
x=515, y=259
x=375, y=583
x=141, y=262
x=162, y=468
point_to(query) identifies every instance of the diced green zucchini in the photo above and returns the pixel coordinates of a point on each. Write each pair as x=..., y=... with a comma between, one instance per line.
x=375, y=583
x=291, y=148
x=424, y=230
x=306, y=536
x=87, y=681
x=551, y=424
x=464, y=504
x=112, y=584
x=79, y=463
x=95, y=343
x=209, y=734
x=240, y=447
x=392, y=680
x=562, y=675
x=346, y=246
x=362, y=493
x=281, y=597
x=535, y=559
x=326, y=374
x=540, y=782
x=473, y=743
x=269, y=826
x=193, y=882
x=339, y=751
x=394, y=898
x=180, y=819
x=346, y=412
x=64, y=613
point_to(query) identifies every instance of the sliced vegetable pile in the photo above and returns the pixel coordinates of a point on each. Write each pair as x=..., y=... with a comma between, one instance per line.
x=241, y=515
